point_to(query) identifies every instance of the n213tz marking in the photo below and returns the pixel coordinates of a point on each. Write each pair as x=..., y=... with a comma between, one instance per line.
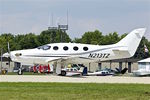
x=99, y=55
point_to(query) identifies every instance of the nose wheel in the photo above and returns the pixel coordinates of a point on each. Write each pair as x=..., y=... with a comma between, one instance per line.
x=20, y=71
x=63, y=73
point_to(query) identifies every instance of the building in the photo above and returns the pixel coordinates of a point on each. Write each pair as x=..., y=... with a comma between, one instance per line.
x=129, y=63
x=144, y=64
x=7, y=64
x=143, y=68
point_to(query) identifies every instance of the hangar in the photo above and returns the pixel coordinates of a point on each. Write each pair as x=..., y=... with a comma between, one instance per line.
x=143, y=68
x=144, y=64
x=130, y=63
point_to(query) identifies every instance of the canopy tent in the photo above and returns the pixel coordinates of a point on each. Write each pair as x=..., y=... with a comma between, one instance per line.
x=145, y=60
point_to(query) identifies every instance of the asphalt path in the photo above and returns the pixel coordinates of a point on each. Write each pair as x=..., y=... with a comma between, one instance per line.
x=84, y=79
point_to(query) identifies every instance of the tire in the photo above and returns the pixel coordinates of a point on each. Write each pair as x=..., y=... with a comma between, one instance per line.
x=20, y=72
x=63, y=73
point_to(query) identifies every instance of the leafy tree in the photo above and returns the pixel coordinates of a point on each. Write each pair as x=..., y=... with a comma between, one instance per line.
x=52, y=36
x=77, y=40
x=92, y=37
x=111, y=38
x=140, y=53
x=62, y=37
x=5, y=39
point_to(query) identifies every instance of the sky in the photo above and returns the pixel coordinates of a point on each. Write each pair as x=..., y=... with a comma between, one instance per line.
x=122, y=16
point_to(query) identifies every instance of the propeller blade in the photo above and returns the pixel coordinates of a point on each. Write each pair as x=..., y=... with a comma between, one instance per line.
x=8, y=48
x=9, y=58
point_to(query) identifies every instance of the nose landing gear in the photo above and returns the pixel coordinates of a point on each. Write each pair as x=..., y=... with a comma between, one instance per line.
x=20, y=71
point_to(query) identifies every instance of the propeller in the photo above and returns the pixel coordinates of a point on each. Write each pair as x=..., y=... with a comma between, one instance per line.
x=8, y=48
x=9, y=57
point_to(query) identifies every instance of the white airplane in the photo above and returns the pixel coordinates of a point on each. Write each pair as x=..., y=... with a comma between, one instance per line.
x=76, y=52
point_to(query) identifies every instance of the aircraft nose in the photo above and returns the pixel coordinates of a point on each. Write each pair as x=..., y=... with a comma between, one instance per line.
x=6, y=55
x=16, y=54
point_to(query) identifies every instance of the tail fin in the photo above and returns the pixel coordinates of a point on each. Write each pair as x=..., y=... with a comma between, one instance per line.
x=132, y=40
x=84, y=71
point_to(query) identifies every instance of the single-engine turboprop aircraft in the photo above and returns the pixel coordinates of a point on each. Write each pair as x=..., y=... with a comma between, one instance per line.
x=76, y=52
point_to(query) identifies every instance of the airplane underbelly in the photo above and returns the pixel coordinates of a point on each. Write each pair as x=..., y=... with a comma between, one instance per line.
x=30, y=60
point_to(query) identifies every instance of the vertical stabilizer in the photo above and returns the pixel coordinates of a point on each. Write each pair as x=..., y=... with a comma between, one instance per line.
x=132, y=40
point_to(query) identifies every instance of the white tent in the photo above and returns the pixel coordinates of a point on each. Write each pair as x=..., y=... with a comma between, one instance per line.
x=145, y=60
x=143, y=67
x=144, y=64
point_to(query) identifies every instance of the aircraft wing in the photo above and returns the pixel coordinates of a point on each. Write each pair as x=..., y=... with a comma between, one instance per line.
x=61, y=59
x=75, y=59
x=73, y=74
x=55, y=59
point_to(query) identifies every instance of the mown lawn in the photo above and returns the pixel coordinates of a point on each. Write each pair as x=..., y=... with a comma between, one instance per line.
x=73, y=91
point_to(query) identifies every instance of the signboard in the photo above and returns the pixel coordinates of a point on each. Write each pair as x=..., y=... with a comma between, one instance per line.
x=52, y=28
x=63, y=27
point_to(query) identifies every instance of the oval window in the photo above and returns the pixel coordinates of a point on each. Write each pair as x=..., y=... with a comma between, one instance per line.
x=75, y=48
x=44, y=47
x=55, y=47
x=85, y=48
x=65, y=48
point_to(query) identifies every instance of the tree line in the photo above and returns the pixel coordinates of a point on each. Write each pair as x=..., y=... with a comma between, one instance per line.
x=31, y=40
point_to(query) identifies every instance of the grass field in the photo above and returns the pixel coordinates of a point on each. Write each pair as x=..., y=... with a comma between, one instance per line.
x=73, y=91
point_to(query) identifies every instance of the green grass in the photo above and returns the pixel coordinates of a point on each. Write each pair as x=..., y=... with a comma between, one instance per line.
x=73, y=91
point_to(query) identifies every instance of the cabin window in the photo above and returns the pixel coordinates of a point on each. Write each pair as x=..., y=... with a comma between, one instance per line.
x=55, y=47
x=44, y=47
x=85, y=48
x=65, y=48
x=75, y=48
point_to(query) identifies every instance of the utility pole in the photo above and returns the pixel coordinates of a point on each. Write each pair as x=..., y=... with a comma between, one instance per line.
x=1, y=58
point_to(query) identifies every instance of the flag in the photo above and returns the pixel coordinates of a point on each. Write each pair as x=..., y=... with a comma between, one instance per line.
x=145, y=49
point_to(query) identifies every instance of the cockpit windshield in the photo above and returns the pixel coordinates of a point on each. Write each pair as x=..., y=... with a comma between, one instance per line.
x=44, y=47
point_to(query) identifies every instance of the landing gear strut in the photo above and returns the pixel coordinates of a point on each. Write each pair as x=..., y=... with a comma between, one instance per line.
x=20, y=71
